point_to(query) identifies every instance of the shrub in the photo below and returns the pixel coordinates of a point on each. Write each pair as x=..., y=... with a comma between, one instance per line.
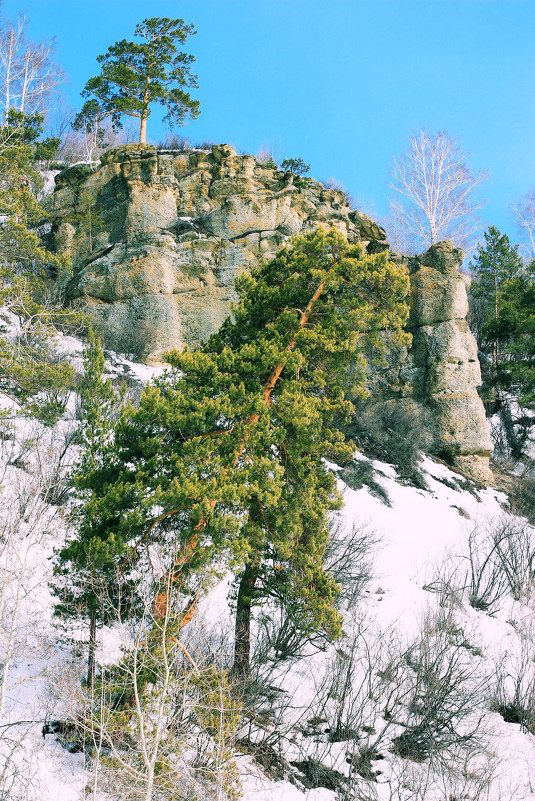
x=513, y=694
x=297, y=166
x=357, y=474
x=269, y=155
x=175, y=141
x=396, y=432
x=444, y=693
x=348, y=558
x=429, y=688
x=501, y=561
x=523, y=496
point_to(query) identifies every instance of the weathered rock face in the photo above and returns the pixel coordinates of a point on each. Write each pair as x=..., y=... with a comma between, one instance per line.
x=175, y=229
x=441, y=368
x=156, y=256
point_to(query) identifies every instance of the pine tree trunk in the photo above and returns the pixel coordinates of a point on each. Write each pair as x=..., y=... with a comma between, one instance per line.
x=143, y=129
x=145, y=109
x=242, y=639
x=92, y=648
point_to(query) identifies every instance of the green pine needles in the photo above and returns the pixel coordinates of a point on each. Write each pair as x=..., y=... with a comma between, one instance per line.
x=223, y=461
x=502, y=303
x=89, y=582
x=136, y=75
x=31, y=374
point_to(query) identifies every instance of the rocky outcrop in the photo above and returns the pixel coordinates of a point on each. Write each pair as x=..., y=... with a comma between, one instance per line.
x=157, y=239
x=441, y=368
x=170, y=232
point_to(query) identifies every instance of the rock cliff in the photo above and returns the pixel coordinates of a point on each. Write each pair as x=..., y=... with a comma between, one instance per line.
x=158, y=237
x=170, y=232
x=440, y=369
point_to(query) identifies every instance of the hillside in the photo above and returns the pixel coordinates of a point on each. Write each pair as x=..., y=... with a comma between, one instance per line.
x=428, y=695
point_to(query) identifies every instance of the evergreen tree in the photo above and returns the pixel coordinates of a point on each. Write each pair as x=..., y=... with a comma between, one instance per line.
x=87, y=219
x=88, y=580
x=505, y=293
x=515, y=373
x=298, y=166
x=494, y=263
x=28, y=362
x=224, y=455
x=135, y=75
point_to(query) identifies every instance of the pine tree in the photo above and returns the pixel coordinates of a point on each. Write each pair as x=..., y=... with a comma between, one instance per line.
x=494, y=263
x=87, y=219
x=224, y=455
x=505, y=292
x=515, y=373
x=135, y=75
x=28, y=362
x=88, y=580
x=298, y=166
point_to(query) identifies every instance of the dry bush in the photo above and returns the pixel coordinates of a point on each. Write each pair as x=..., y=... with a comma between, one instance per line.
x=420, y=701
x=470, y=779
x=441, y=714
x=269, y=154
x=158, y=723
x=348, y=558
x=499, y=562
x=523, y=496
x=396, y=433
x=501, y=559
x=33, y=463
x=513, y=692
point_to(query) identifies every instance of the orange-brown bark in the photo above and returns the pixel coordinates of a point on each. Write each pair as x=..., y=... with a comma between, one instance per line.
x=161, y=602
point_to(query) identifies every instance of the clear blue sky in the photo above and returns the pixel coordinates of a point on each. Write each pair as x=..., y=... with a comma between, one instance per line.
x=340, y=83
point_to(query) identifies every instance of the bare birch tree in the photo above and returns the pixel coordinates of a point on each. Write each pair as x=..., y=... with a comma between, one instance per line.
x=29, y=75
x=524, y=215
x=433, y=193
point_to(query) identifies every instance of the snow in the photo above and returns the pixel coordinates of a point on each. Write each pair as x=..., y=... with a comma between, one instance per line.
x=422, y=537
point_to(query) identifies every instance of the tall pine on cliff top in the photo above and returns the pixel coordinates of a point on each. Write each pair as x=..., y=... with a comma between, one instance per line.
x=225, y=453
x=136, y=75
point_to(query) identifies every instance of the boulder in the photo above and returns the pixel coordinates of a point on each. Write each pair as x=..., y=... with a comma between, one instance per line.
x=367, y=228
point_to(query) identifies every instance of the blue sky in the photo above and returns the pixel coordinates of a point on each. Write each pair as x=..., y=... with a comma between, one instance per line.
x=341, y=84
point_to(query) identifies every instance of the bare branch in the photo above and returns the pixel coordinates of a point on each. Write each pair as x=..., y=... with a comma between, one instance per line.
x=433, y=193
x=524, y=216
x=29, y=76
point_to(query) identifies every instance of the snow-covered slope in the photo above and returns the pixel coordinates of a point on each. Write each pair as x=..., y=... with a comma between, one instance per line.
x=416, y=604
x=436, y=646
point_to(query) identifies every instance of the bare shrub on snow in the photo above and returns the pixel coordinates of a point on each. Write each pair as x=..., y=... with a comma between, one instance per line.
x=160, y=722
x=349, y=559
x=419, y=700
x=499, y=562
x=32, y=467
x=471, y=779
x=513, y=689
